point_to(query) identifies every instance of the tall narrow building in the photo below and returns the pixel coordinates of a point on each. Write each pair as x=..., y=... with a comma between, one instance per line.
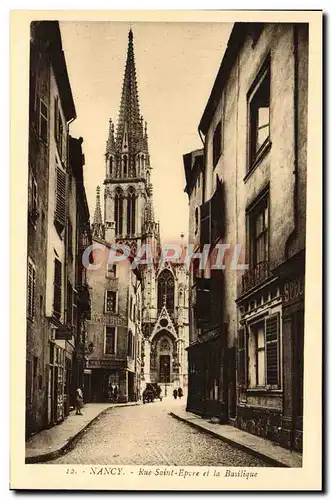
x=129, y=219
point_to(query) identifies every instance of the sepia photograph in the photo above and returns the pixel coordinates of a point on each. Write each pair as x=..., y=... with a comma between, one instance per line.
x=166, y=211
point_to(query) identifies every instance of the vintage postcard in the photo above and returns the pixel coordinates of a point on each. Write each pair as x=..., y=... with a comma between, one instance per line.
x=167, y=217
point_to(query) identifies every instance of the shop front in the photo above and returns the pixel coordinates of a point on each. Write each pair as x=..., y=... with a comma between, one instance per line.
x=56, y=385
x=206, y=396
x=109, y=380
x=291, y=275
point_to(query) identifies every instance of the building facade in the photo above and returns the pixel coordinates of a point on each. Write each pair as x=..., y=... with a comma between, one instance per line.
x=159, y=293
x=56, y=220
x=255, y=138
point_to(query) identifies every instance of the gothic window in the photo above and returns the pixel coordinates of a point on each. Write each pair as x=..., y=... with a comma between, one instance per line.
x=131, y=211
x=118, y=212
x=125, y=166
x=148, y=177
x=166, y=290
x=142, y=162
x=111, y=167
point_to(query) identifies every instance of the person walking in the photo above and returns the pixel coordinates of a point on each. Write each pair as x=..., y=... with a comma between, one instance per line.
x=175, y=393
x=180, y=393
x=79, y=401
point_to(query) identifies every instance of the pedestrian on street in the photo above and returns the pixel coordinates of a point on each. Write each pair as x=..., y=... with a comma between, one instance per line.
x=175, y=393
x=79, y=401
x=180, y=392
x=115, y=393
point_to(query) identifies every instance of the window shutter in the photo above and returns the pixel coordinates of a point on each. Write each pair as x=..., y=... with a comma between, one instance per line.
x=242, y=357
x=272, y=350
x=43, y=121
x=69, y=303
x=57, y=288
x=30, y=192
x=218, y=212
x=31, y=290
x=60, y=208
x=56, y=119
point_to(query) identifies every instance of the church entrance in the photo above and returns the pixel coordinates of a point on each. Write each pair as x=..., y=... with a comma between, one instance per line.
x=163, y=353
x=165, y=368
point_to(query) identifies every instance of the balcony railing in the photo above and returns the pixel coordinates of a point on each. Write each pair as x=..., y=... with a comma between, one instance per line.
x=257, y=274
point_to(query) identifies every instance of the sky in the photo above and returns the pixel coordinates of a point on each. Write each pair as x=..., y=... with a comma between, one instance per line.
x=176, y=65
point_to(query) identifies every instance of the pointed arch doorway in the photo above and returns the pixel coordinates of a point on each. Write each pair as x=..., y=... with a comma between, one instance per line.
x=165, y=360
x=162, y=350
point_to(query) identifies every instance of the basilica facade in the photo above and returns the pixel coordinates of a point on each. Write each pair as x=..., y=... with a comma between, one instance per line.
x=159, y=322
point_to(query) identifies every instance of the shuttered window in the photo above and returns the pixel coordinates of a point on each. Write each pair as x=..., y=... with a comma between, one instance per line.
x=60, y=207
x=57, y=288
x=205, y=230
x=216, y=144
x=242, y=357
x=43, y=121
x=272, y=350
x=109, y=340
x=31, y=299
x=130, y=344
x=58, y=128
x=70, y=239
x=32, y=198
x=69, y=303
x=218, y=213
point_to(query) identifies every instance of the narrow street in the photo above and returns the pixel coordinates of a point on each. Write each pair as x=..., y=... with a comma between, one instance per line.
x=148, y=435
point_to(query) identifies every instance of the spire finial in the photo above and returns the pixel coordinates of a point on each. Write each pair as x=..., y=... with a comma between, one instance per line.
x=130, y=35
x=97, y=226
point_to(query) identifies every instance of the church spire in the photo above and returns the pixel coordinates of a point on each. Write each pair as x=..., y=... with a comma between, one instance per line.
x=97, y=225
x=110, y=144
x=129, y=130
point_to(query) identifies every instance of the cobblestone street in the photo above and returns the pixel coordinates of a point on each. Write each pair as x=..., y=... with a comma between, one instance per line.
x=148, y=435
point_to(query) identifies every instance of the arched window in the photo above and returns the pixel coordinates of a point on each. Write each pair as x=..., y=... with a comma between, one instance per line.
x=110, y=168
x=131, y=211
x=138, y=165
x=125, y=166
x=166, y=290
x=118, y=212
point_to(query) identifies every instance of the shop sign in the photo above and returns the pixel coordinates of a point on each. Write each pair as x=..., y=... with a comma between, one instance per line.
x=63, y=333
x=293, y=290
x=104, y=363
x=108, y=320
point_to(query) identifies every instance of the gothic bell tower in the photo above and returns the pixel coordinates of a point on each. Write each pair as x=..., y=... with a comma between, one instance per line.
x=128, y=211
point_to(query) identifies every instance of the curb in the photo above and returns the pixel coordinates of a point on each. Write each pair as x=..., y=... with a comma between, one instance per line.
x=70, y=443
x=272, y=461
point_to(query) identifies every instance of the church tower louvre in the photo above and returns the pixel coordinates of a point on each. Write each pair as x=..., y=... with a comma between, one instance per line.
x=129, y=214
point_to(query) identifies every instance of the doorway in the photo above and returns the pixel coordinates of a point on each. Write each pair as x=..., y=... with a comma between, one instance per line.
x=165, y=368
